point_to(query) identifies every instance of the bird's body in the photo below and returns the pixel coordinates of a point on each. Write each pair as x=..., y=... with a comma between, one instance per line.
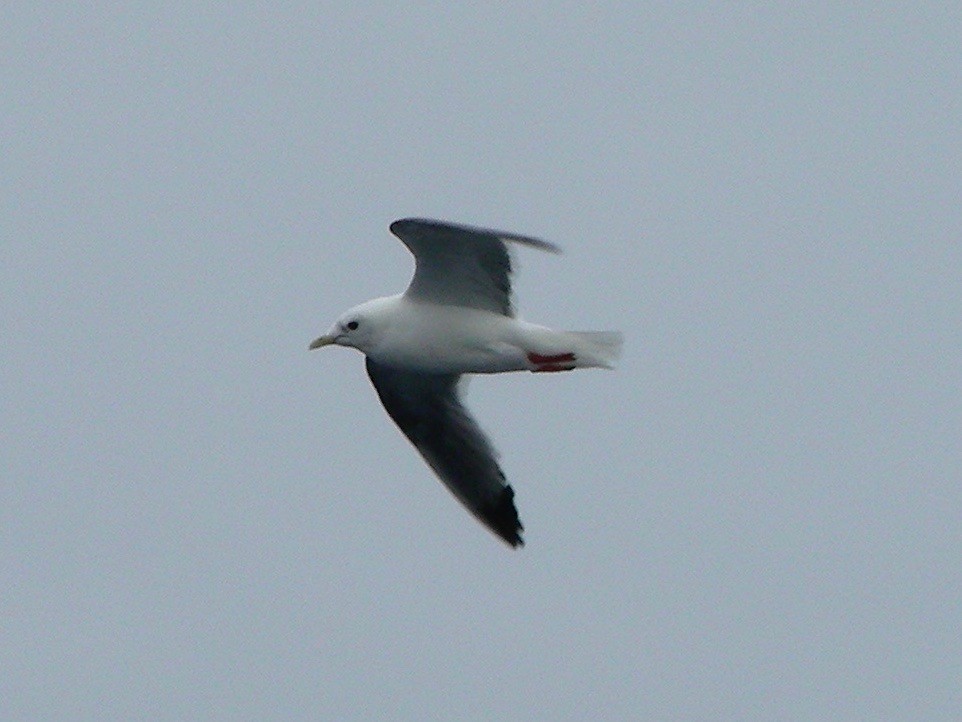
x=459, y=340
x=456, y=318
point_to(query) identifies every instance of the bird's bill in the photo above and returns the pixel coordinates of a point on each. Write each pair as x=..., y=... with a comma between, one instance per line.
x=321, y=342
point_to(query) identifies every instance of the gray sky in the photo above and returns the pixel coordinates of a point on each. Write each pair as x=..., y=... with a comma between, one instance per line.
x=757, y=516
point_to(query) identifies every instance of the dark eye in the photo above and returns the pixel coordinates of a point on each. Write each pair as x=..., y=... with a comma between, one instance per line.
x=352, y=325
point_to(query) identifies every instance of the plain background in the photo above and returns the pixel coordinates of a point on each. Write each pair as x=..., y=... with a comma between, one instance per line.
x=756, y=516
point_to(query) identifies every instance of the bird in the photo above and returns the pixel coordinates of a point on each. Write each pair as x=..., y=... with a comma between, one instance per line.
x=456, y=317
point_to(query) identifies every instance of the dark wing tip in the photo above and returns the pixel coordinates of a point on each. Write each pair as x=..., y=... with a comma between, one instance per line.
x=502, y=517
x=408, y=227
x=404, y=225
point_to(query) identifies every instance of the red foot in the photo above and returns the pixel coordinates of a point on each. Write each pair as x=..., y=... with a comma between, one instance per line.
x=560, y=358
x=558, y=362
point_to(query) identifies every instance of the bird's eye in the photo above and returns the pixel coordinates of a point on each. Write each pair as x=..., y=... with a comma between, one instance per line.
x=352, y=325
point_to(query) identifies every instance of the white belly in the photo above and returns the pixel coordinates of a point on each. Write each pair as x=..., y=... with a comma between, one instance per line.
x=450, y=339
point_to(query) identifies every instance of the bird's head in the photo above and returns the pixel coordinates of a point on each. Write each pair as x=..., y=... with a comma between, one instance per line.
x=360, y=327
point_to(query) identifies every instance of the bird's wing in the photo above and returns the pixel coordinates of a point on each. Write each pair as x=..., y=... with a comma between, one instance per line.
x=461, y=265
x=427, y=409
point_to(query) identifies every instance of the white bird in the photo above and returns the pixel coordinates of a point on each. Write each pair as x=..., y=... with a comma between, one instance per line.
x=456, y=318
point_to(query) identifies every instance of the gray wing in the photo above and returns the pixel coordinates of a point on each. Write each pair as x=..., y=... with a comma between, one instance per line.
x=427, y=409
x=461, y=265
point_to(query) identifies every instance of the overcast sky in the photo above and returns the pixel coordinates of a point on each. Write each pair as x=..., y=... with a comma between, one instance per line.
x=758, y=515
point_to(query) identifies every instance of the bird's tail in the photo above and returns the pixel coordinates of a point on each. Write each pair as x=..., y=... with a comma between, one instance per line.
x=596, y=349
x=567, y=350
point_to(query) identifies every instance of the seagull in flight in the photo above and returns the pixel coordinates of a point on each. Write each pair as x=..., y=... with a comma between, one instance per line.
x=456, y=318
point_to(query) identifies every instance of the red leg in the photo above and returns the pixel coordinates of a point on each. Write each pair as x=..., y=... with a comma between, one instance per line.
x=558, y=362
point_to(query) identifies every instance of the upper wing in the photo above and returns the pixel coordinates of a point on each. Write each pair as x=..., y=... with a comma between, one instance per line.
x=426, y=408
x=461, y=265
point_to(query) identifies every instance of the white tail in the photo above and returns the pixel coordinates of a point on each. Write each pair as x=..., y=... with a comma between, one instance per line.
x=595, y=349
x=548, y=350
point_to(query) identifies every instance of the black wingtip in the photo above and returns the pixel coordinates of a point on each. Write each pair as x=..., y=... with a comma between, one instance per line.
x=502, y=517
x=401, y=225
x=406, y=227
